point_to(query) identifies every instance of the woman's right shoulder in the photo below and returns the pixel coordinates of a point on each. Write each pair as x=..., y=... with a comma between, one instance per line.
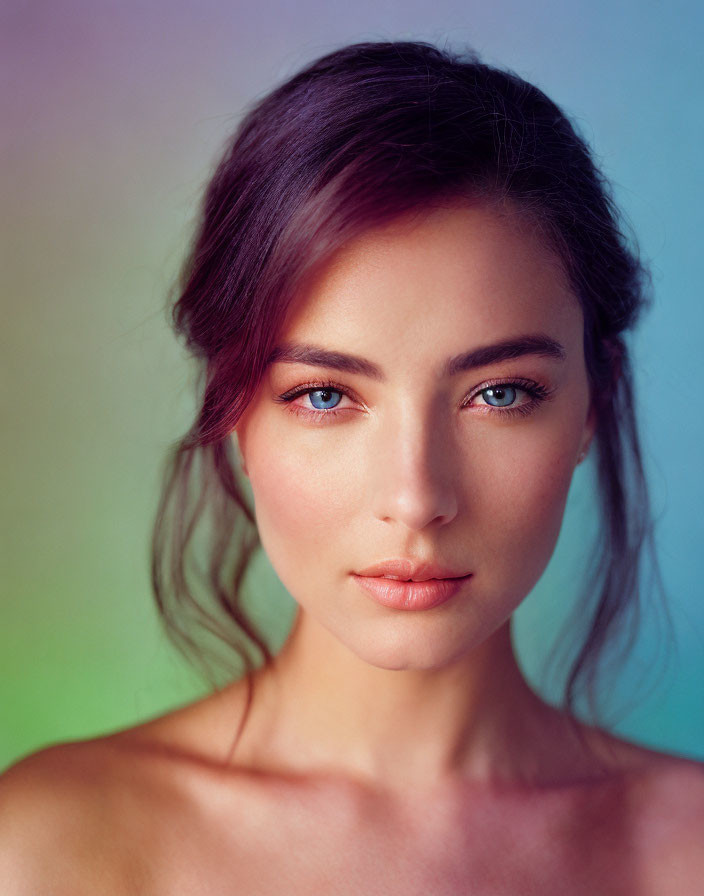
x=75, y=816
x=50, y=818
x=92, y=809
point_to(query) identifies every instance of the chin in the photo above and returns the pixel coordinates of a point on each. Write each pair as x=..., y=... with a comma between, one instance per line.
x=395, y=647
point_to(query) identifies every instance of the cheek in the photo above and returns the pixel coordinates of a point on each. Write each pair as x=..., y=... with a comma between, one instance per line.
x=300, y=506
x=523, y=506
x=539, y=497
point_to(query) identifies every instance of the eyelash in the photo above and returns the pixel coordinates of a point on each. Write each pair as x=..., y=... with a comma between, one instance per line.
x=537, y=392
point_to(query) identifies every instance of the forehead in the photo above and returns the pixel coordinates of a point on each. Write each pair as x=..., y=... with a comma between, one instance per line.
x=450, y=277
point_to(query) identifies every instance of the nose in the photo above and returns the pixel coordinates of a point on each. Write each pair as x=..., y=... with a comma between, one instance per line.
x=415, y=480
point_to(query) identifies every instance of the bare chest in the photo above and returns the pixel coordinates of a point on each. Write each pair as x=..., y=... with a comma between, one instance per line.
x=302, y=843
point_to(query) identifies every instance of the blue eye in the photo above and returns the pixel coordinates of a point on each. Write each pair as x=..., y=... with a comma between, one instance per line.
x=327, y=395
x=323, y=397
x=499, y=396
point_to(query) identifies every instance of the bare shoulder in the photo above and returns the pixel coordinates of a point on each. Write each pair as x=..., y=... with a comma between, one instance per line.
x=51, y=819
x=656, y=776
x=670, y=827
x=660, y=803
x=58, y=776
x=671, y=798
x=666, y=801
x=82, y=816
x=89, y=816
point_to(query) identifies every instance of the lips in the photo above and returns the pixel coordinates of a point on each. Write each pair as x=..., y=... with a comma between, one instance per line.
x=401, y=595
x=412, y=571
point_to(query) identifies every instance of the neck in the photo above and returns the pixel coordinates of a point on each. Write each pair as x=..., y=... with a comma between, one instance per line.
x=321, y=709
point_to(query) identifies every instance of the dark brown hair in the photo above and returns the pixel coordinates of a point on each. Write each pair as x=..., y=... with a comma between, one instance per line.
x=353, y=140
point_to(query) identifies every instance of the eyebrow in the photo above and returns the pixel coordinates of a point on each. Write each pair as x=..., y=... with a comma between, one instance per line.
x=316, y=356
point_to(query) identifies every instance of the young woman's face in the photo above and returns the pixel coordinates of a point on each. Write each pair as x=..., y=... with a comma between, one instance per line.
x=397, y=456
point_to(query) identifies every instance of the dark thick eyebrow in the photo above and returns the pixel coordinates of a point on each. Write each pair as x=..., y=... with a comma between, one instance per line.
x=315, y=356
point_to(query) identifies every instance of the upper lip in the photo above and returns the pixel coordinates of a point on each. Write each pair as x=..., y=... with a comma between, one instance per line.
x=411, y=570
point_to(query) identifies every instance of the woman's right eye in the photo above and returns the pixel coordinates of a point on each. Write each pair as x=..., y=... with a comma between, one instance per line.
x=323, y=398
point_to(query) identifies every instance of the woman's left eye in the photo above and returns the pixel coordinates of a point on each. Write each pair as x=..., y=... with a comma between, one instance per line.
x=515, y=397
x=499, y=396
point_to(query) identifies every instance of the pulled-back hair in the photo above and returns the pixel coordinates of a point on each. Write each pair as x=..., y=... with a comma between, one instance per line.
x=354, y=140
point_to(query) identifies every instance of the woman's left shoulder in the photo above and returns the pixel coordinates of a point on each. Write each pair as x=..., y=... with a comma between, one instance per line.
x=666, y=797
x=664, y=793
x=657, y=778
x=674, y=786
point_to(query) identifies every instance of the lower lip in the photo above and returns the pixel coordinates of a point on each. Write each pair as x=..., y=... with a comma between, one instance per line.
x=411, y=595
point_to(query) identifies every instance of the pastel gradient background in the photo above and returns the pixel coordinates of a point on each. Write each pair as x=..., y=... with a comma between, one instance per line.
x=113, y=117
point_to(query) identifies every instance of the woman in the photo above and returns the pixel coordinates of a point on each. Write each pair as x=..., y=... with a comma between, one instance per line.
x=408, y=294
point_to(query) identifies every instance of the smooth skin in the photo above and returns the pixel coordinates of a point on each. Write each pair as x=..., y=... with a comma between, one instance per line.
x=387, y=751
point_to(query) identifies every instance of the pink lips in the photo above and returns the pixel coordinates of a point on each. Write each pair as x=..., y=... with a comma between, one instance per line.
x=401, y=595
